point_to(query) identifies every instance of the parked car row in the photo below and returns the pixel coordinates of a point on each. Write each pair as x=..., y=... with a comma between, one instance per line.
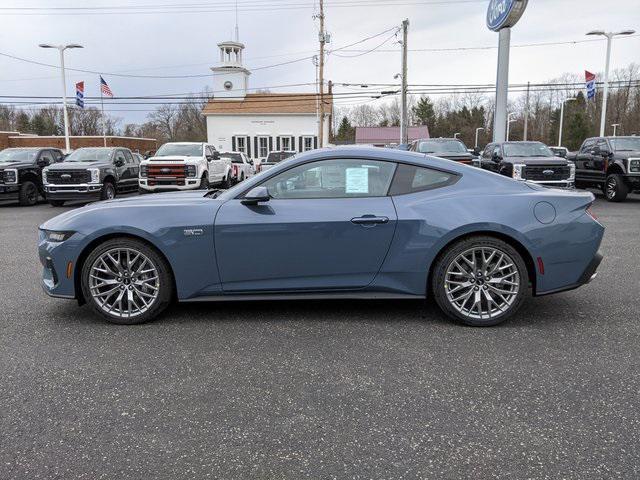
x=102, y=173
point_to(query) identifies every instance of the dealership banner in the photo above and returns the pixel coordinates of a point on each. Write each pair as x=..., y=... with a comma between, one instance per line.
x=80, y=94
x=590, y=79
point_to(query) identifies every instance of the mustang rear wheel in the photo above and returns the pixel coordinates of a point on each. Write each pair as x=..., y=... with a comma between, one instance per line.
x=480, y=281
x=126, y=281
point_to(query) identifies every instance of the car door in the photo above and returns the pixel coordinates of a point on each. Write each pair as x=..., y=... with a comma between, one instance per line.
x=214, y=166
x=327, y=226
x=121, y=168
x=583, y=160
x=133, y=169
x=600, y=160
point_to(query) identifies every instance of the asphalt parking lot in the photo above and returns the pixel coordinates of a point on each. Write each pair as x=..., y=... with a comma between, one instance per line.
x=339, y=389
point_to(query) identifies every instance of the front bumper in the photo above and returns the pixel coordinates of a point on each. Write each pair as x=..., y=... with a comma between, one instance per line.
x=561, y=184
x=157, y=185
x=55, y=258
x=83, y=191
x=9, y=192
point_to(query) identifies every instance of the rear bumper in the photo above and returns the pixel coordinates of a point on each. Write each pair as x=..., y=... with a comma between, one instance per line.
x=586, y=277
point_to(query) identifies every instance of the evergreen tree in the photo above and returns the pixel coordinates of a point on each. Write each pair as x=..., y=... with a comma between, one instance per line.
x=346, y=132
x=424, y=112
x=23, y=124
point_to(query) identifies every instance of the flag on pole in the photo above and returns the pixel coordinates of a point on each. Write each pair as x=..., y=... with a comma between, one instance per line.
x=104, y=88
x=80, y=94
x=590, y=79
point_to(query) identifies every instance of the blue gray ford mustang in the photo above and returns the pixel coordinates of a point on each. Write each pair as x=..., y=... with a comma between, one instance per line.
x=335, y=223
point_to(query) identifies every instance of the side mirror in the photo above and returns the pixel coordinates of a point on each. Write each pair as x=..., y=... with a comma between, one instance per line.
x=250, y=162
x=118, y=162
x=605, y=152
x=496, y=157
x=256, y=195
x=209, y=158
x=216, y=155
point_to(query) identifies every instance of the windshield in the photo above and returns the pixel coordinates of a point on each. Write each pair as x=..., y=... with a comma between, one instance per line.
x=440, y=146
x=621, y=144
x=14, y=155
x=533, y=149
x=89, y=155
x=275, y=157
x=235, y=157
x=180, y=149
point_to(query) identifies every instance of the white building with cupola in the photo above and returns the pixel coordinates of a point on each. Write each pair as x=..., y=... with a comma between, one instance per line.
x=255, y=122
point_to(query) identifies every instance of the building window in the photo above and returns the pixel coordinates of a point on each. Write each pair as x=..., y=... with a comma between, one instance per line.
x=241, y=144
x=307, y=143
x=263, y=147
x=286, y=143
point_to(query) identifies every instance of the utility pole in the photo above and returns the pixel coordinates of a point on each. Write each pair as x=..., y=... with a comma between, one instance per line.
x=404, y=120
x=526, y=113
x=322, y=39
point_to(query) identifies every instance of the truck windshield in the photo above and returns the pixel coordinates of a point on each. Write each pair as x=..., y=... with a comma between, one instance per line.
x=275, y=157
x=447, y=146
x=180, y=149
x=533, y=149
x=89, y=155
x=15, y=155
x=621, y=144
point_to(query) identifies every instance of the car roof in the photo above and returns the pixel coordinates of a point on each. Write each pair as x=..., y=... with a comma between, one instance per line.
x=439, y=139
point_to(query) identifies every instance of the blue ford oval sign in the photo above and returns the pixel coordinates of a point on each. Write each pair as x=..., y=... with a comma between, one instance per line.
x=504, y=13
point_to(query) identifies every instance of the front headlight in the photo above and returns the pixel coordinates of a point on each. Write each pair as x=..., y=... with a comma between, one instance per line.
x=55, y=236
x=190, y=171
x=634, y=165
x=518, y=169
x=11, y=175
x=95, y=175
x=572, y=172
x=44, y=176
x=144, y=171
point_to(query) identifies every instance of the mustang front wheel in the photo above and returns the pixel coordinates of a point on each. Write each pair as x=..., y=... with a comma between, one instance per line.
x=480, y=281
x=126, y=281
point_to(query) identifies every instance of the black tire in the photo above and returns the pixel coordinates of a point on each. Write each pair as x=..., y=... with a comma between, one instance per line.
x=108, y=191
x=225, y=182
x=204, y=182
x=56, y=203
x=28, y=194
x=445, y=261
x=615, y=189
x=165, y=286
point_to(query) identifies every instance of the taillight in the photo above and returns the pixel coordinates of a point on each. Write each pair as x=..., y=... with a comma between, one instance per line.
x=590, y=213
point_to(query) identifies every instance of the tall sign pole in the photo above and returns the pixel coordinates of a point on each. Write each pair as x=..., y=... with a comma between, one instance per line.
x=322, y=38
x=404, y=120
x=501, y=16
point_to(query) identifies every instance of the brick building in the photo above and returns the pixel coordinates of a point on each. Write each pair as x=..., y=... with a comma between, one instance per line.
x=17, y=139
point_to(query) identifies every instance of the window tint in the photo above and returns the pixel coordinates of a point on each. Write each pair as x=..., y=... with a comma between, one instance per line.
x=488, y=151
x=340, y=178
x=410, y=179
x=129, y=157
x=120, y=156
x=46, y=157
x=588, y=145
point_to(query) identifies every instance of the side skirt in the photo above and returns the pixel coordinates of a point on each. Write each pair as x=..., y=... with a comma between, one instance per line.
x=306, y=296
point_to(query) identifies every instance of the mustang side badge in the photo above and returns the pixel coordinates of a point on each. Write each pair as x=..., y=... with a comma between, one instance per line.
x=193, y=232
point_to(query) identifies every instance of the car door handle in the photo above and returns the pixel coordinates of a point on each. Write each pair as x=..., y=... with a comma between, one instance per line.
x=369, y=220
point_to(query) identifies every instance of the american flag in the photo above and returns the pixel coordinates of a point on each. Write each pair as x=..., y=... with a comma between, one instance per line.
x=104, y=88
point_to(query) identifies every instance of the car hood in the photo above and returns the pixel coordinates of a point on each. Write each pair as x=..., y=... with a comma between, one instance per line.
x=68, y=220
x=623, y=154
x=76, y=165
x=538, y=160
x=453, y=156
x=173, y=158
x=15, y=165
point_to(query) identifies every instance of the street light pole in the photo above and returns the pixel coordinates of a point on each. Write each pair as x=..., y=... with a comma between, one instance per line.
x=455, y=135
x=562, y=118
x=61, y=49
x=605, y=94
x=478, y=131
x=615, y=128
x=509, y=122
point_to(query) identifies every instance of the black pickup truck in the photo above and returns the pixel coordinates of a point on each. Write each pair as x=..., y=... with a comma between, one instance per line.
x=92, y=174
x=448, y=148
x=21, y=172
x=609, y=163
x=530, y=161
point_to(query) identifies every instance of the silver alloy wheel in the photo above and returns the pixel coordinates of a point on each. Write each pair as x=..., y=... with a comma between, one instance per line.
x=611, y=188
x=124, y=282
x=482, y=283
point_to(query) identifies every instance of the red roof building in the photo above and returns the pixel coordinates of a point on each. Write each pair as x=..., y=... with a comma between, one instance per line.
x=381, y=136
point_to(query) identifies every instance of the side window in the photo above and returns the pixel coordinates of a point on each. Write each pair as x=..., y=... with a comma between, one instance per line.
x=119, y=156
x=411, y=179
x=129, y=157
x=488, y=151
x=587, y=146
x=602, y=143
x=57, y=155
x=46, y=157
x=339, y=178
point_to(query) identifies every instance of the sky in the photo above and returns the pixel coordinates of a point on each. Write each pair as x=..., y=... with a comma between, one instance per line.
x=179, y=38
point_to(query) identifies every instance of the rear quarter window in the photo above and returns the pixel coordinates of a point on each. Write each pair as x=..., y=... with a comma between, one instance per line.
x=411, y=179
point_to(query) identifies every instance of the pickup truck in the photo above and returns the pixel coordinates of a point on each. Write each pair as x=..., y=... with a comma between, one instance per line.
x=21, y=173
x=274, y=157
x=528, y=161
x=184, y=166
x=609, y=163
x=242, y=166
x=448, y=148
x=92, y=173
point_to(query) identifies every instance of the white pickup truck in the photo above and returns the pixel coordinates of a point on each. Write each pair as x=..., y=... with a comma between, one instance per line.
x=274, y=158
x=184, y=166
x=241, y=164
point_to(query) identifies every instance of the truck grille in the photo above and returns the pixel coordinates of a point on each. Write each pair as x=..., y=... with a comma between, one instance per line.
x=2, y=176
x=166, y=174
x=546, y=173
x=68, y=177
